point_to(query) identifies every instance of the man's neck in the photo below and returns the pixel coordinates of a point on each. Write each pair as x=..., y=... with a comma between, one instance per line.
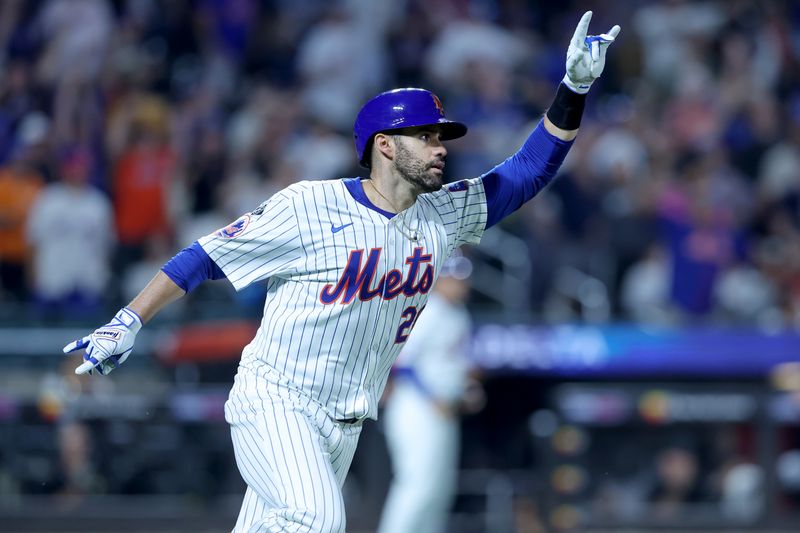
x=393, y=195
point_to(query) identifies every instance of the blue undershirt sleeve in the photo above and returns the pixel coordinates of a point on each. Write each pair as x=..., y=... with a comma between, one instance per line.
x=191, y=266
x=520, y=177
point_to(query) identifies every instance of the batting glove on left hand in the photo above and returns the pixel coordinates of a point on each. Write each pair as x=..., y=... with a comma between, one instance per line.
x=586, y=56
x=109, y=346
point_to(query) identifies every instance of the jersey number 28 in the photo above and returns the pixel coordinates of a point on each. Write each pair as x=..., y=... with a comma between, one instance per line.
x=409, y=315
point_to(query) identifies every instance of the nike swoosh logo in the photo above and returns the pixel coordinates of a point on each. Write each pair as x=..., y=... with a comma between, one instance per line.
x=336, y=229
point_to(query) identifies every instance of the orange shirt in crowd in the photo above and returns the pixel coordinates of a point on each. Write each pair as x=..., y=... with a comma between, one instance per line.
x=142, y=180
x=18, y=191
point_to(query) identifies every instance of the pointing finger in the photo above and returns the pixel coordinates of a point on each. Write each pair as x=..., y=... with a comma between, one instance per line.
x=581, y=30
x=84, y=367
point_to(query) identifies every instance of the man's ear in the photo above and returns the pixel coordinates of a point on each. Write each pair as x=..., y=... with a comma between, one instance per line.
x=385, y=145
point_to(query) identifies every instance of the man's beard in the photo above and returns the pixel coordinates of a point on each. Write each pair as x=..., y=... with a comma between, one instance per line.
x=415, y=171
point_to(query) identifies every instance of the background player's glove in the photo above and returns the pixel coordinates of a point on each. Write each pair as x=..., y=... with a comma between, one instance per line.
x=109, y=346
x=586, y=55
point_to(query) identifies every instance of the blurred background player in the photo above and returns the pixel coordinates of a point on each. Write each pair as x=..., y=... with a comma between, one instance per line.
x=421, y=419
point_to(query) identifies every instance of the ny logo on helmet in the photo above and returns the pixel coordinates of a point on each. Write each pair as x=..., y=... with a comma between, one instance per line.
x=438, y=104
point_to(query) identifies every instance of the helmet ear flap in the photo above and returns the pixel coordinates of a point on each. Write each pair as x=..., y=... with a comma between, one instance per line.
x=398, y=109
x=365, y=160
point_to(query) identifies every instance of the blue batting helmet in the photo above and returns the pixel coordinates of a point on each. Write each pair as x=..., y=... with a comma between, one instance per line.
x=401, y=108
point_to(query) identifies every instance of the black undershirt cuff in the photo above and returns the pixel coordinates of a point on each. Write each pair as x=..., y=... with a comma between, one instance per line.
x=567, y=108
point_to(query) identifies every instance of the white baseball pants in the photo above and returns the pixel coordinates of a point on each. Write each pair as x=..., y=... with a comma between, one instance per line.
x=293, y=456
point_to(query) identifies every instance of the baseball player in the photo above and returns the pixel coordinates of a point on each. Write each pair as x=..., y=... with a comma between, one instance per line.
x=348, y=266
x=421, y=421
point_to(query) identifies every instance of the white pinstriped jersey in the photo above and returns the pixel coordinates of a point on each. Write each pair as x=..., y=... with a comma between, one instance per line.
x=345, y=283
x=436, y=351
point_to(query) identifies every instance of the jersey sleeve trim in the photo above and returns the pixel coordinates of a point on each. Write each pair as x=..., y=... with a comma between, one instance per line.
x=190, y=267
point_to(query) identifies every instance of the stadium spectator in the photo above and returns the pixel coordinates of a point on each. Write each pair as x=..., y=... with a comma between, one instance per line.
x=20, y=184
x=701, y=234
x=143, y=177
x=76, y=36
x=69, y=215
x=332, y=83
x=677, y=482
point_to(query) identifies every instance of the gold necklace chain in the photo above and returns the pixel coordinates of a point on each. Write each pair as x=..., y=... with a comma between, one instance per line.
x=412, y=235
x=374, y=188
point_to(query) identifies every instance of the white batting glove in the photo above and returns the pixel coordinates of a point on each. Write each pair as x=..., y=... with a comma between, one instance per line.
x=109, y=346
x=586, y=56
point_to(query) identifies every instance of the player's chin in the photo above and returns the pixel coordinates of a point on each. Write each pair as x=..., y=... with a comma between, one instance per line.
x=433, y=180
x=435, y=176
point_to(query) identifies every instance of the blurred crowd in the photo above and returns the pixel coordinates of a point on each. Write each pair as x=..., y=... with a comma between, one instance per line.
x=129, y=128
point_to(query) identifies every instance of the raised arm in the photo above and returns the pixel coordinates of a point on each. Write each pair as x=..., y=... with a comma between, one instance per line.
x=520, y=177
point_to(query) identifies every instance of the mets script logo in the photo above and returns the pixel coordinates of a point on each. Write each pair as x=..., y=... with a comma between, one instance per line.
x=359, y=280
x=438, y=104
x=234, y=228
